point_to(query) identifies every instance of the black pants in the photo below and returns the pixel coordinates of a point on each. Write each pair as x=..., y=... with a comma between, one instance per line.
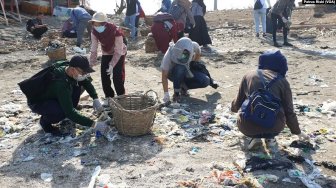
x=51, y=111
x=277, y=21
x=38, y=32
x=118, y=76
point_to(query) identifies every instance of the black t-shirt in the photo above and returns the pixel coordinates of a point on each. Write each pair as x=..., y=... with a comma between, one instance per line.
x=131, y=7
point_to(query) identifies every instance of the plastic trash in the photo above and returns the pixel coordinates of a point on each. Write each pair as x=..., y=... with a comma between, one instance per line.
x=94, y=176
x=267, y=178
x=79, y=50
x=29, y=158
x=47, y=177
x=288, y=180
x=194, y=150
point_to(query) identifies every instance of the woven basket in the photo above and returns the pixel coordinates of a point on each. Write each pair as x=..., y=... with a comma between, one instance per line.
x=149, y=20
x=134, y=114
x=57, y=54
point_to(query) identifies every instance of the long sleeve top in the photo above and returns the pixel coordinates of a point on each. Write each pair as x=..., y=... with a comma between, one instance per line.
x=61, y=90
x=281, y=89
x=78, y=14
x=119, y=49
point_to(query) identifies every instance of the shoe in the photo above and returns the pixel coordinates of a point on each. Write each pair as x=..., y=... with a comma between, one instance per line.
x=54, y=131
x=107, y=102
x=277, y=45
x=264, y=35
x=287, y=44
x=176, y=98
x=184, y=92
x=257, y=35
x=254, y=144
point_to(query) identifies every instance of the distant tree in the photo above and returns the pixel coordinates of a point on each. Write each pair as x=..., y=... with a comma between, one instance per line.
x=120, y=8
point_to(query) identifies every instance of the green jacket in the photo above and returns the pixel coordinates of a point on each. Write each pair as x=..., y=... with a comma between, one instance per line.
x=61, y=90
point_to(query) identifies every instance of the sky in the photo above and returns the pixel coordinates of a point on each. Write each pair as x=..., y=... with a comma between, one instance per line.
x=151, y=6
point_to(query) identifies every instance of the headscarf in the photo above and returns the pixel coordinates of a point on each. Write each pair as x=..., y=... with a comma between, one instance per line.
x=273, y=60
x=177, y=49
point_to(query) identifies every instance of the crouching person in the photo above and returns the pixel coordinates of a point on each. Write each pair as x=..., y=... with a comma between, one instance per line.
x=175, y=66
x=254, y=120
x=61, y=96
x=36, y=27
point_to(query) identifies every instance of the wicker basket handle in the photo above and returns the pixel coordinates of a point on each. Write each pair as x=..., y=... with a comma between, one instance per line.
x=156, y=99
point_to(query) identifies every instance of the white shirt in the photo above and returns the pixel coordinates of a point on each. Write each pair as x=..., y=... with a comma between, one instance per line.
x=264, y=3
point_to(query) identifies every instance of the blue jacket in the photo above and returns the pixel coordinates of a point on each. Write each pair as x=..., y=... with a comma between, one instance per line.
x=78, y=14
x=165, y=5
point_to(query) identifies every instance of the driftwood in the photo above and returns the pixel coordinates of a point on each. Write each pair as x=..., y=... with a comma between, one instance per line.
x=120, y=8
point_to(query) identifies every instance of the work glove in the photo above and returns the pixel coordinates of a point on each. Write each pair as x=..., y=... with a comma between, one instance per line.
x=284, y=20
x=97, y=106
x=110, y=70
x=166, y=97
x=304, y=137
x=101, y=127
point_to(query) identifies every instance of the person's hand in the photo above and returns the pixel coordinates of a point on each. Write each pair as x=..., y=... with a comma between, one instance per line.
x=97, y=106
x=101, y=127
x=110, y=70
x=304, y=137
x=166, y=97
x=284, y=20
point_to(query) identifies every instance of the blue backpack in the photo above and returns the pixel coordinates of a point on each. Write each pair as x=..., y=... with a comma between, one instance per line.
x=262, y=107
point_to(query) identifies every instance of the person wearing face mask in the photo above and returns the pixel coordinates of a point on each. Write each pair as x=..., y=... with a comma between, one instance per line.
x=114, y=52
x=175, y=66
x=61, y=97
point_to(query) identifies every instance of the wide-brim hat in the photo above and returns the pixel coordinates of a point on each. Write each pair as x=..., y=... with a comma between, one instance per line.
x=99, y=17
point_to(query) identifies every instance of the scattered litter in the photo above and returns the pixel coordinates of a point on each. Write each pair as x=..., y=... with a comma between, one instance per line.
x=194, y=150
x=288, y=180
x=256, y=163
x=94, y=176
x=29, y=158
x=46, y=177
x=265, y=178
x=303, y=145
x=77, y=153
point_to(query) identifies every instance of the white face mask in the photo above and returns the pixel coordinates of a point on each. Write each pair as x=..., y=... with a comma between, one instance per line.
x=80, y=78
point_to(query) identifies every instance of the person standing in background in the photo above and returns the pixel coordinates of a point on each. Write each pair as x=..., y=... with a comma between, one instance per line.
x=200, y=33
x=260, y=14
x=281, y=14
x=139, y=14
x=131, y=17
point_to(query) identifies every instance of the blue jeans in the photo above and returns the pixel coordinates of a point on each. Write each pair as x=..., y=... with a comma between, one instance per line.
x=260, y=14
x=51, y=111
x=178, y=75
x=130, y=23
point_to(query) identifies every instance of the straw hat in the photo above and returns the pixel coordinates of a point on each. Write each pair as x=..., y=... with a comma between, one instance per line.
x=99, y=17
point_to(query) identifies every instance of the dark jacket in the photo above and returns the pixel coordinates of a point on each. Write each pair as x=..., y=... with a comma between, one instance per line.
x=281, y=89
x=282, y=7
x=131, y=7
x=61, y=90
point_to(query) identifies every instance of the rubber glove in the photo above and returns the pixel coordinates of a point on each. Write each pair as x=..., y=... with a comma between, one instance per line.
x=166, y=97
x=110, y=70
x=304, y=137
x=284, y=20
x=97, y=106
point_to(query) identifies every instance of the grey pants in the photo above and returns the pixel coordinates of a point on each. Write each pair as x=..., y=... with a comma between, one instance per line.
x=82, y=25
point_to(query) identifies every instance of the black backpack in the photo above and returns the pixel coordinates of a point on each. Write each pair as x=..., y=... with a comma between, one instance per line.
x=29, y=25
x=37, y=84
x=258, y=5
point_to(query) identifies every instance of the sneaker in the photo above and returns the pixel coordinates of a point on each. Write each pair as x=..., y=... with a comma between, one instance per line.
x=277, y=44
x=184, y=92
x=176, y=98
x=257, y=35
x=254, y=144
x=287, y=44
x=106, y=102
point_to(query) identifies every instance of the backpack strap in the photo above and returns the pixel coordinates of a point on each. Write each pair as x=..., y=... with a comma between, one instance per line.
x=270, y=83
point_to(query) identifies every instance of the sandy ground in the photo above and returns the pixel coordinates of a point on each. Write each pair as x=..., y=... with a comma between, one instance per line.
x=163, y=159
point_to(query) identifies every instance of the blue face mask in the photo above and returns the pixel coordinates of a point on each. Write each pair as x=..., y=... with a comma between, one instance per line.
x=100, y=29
